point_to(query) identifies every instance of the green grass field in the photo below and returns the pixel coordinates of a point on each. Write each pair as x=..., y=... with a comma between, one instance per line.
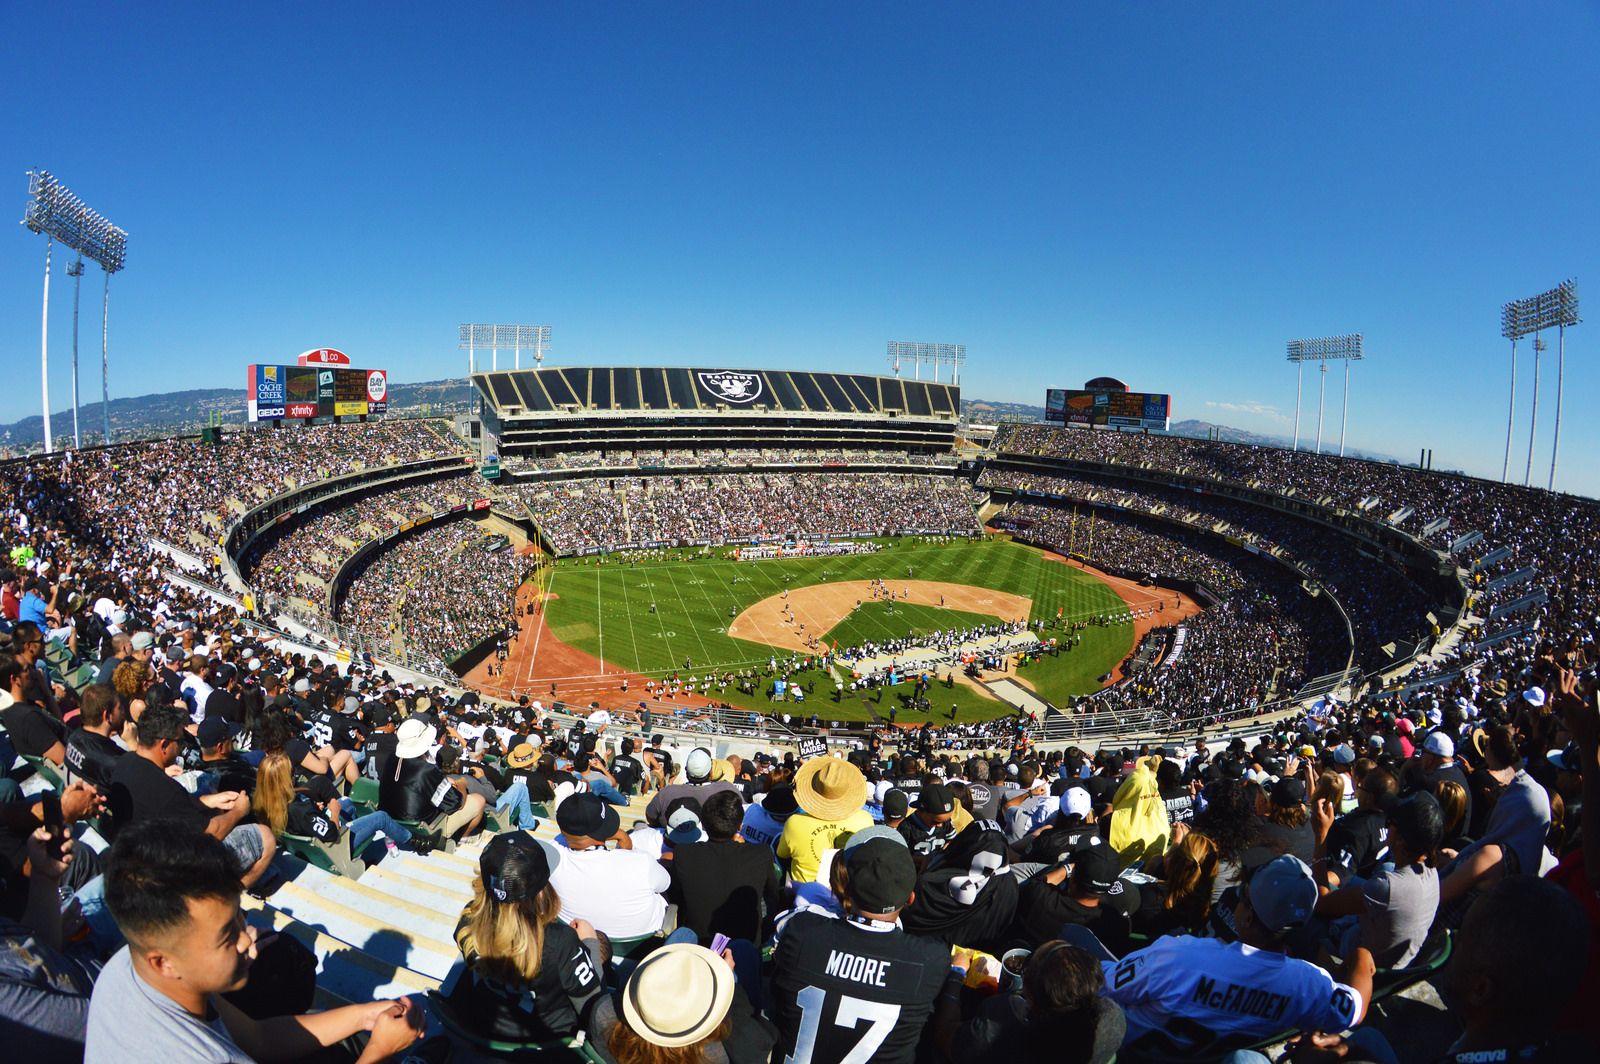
x=602, y=606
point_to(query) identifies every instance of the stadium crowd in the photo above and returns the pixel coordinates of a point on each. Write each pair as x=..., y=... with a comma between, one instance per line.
x=887, y=905
x=1383, y=604
x=714, y=457
x=589, y=515
x=319, y=541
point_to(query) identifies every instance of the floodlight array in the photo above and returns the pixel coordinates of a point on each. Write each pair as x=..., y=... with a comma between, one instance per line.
x=1326, y=348
x=947, y=354
x=55, y=211
x=1554, y=309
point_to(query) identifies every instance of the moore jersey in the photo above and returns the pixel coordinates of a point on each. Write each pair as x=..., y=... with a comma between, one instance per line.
x=1200, y=996
x=845, y=992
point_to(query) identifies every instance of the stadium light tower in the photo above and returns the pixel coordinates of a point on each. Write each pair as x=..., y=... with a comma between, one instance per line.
x=1323, y=350
x=936, y=355
x=496, y=338
x=75, y=271
x=1554, y=309
x=54, y=211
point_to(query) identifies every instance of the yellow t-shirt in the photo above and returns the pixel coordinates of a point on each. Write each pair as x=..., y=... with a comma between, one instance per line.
x=805, y=839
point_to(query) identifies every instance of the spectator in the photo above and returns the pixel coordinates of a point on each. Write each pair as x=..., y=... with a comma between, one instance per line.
x=928, y=829
x=1180, y=901
x=1190, y=996
x=967, y=895
x=141, y=791
x=1056, y=1013
x=618, y=891
x=94, y=747
x=697, y=770
x=529, y=977
x=830, y=973
x=1396, y=906
x=44, y=990
x=832, y=795
x=33, y=730
x=318, y=813
x=1357, y=840
x=174, y=893
x=682, y=1005
x=1088, y=892
x=1513, y=839
x=413, y=790
x=764, y=819
x=723, y=885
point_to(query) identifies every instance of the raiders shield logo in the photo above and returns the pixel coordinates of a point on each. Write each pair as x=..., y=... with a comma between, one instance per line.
x=733, y=387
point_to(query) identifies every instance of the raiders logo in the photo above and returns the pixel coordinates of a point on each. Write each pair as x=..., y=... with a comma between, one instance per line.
x=734, y=387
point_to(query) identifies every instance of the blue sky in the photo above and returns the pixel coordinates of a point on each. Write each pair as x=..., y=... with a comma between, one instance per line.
x=1161, y=192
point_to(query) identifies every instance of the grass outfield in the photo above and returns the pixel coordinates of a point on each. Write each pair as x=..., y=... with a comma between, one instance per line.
x=877, y=621
x=603, y=608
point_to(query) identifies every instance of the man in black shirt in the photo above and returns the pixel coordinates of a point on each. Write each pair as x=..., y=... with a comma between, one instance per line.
x=626, y=768
x=859, y=988
x=1358, y=840
x=929, y=828
x=1094, y=898
x=723, y=885
x=412, y=789
x=229, y=771
x=33, y=731
x=381, y=721
x=92, y=754
x=142, y=791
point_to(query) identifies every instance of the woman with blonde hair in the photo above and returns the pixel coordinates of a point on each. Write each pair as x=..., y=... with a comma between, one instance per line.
x=528, y=977
x=1179, y=902
x=1453, y=801
x=316, y=810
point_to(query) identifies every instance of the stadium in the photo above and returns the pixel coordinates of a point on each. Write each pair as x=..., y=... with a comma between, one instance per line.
x=714, y=684
x=759, y=563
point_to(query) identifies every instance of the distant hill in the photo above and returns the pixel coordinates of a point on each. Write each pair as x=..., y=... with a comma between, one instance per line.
x=171, y=413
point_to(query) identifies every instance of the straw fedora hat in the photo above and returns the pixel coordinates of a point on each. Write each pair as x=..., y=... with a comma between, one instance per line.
x=522, y=755
x=678, y=995
x=829, y=788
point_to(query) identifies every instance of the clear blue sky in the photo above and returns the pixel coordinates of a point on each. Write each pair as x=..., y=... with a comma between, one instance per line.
x=1162, y=192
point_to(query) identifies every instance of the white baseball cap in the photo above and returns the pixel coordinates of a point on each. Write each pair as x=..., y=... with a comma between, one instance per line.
x=1439, y=743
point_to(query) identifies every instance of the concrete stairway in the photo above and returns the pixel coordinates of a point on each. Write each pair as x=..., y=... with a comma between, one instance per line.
x=390, y=933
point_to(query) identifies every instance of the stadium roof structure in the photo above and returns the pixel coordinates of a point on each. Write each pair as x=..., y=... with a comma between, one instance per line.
x=589, y=391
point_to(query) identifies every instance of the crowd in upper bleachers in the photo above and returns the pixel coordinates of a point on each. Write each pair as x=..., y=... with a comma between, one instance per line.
x=710, y=457
x=601, y=514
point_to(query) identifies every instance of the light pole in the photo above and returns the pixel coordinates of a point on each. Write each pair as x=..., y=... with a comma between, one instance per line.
x=1556, y=308
x=1322, y=350
x=75, y=271
x=54, y=211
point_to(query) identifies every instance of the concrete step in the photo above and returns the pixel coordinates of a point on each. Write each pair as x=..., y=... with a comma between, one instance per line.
x=345, y=972
x=385, y=933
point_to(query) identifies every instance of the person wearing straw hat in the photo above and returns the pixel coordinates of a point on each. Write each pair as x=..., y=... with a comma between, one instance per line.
x=833, y=805
x=681, y=1006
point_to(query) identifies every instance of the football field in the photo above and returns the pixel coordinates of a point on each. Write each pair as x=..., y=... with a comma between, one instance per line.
x=658, y=617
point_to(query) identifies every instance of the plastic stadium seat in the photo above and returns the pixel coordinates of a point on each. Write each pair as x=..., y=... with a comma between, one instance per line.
x=364, y=792
x=330, y=857
x=47, y=772
x=566, y=1049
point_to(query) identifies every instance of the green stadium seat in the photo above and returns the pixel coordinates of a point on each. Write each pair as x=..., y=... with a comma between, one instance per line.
x=330, y=857
x=566, y=1049
x=47, y=771
x=364, y=792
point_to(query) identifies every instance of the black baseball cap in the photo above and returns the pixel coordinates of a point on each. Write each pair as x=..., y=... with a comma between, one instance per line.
x=214, y=731
x=1095, y=867
x=882, y=876
x=587, y=815
x=936, y=798
x=516, y=866
x=896, y=804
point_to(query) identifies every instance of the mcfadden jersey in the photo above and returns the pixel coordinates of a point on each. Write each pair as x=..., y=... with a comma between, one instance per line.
x=847, y=993
x=1191, y=995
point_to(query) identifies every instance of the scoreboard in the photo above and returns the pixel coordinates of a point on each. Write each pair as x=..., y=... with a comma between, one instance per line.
x=273, y=393
x=1110, y=409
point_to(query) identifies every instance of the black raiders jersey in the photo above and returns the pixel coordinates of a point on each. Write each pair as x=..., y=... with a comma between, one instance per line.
x=845, y=993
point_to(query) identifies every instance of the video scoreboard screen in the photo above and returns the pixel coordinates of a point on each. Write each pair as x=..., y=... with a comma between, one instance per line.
x=304, y=392
x=1134, y=410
